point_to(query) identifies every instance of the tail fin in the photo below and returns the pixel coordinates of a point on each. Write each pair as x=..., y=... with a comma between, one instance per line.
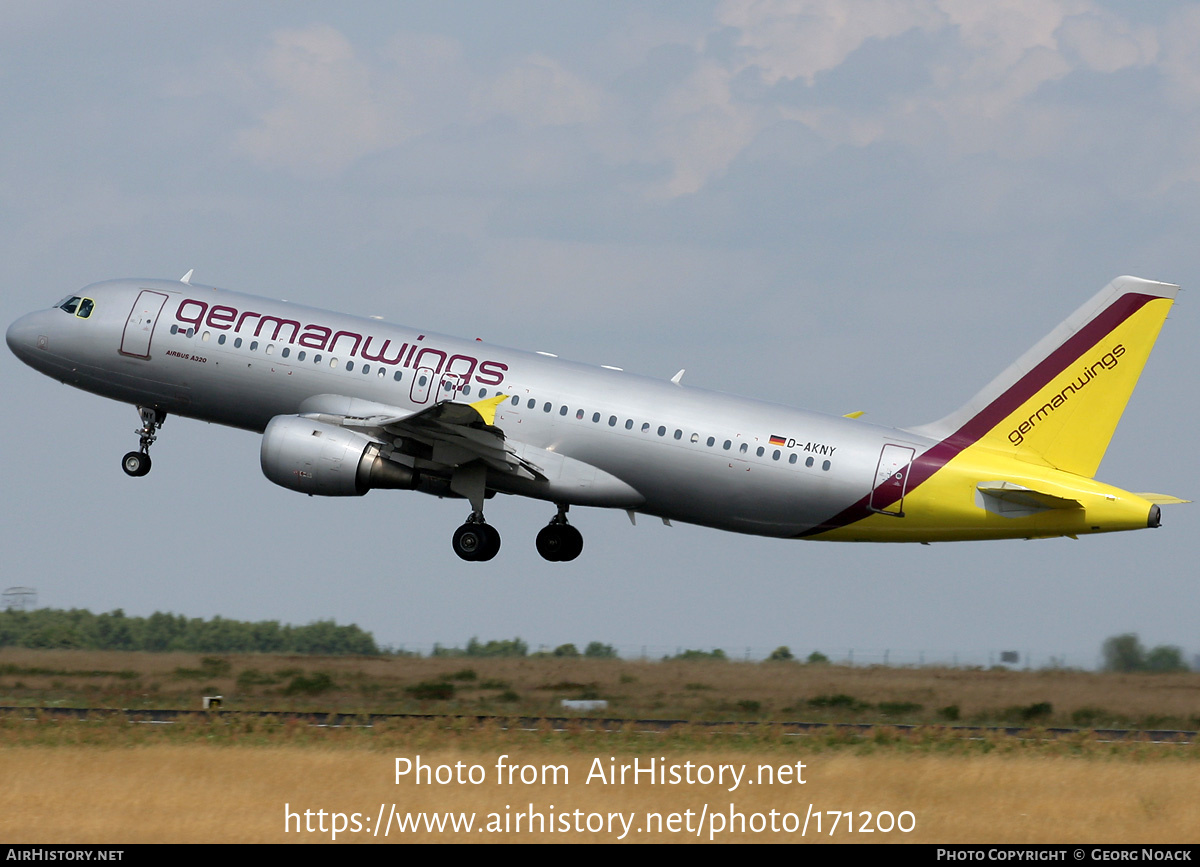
x=1059, y=404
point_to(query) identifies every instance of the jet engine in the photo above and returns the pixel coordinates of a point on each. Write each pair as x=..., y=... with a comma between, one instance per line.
x=312, y=457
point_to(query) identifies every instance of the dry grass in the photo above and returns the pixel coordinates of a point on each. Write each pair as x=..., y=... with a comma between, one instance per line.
x=196, y=792
x=693, y=690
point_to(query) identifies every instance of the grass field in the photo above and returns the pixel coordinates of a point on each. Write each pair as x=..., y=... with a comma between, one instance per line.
x=697, y=690
x=236, y=779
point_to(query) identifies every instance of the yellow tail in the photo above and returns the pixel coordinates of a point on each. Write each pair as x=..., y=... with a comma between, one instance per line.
x=1059, y=404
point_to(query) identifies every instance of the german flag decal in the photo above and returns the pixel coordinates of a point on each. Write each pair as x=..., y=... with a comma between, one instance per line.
x=778, y=441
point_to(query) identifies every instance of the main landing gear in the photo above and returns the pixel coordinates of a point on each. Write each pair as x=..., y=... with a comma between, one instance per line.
x=476, y=539
x=559, y=541
x=138, y=463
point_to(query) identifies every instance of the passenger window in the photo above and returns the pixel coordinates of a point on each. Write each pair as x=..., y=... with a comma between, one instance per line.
x=300, y=356
x=270, y=349
x=333, y=363
x=678, y=434
x=695, y=437
x=422, y=381
x=595, y=418
x=744, y=447
x=253, y=345
x=285, y=353
x=221, y=341
x=546, y=407
x=808, y=462
x=612, y=421
x=317, y=358
x=397, y=376
x=792, y=458
x=826, y=465
x=775, y=456
x=628, y=424
x=710, y=442
x=728, y=443
x=662, y=430
x=383, y=373
x=174, y=329
x=482, y=391
x=237, y=343
x=367, y=369
x=760, y=451
x=532, y=403
x=349, y=365
x=579, y=415
x=645, y=427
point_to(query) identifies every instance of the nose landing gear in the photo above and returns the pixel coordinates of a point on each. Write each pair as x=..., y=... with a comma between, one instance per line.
x=138, y=463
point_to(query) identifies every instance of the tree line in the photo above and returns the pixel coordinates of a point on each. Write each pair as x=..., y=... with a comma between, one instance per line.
x=1126, y=653
x=51, y=628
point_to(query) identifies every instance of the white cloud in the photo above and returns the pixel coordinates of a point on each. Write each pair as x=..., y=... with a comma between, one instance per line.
x=790, y=39
x=1105, y=43
x=325, y=116
x=970, y=91
x=540, y=91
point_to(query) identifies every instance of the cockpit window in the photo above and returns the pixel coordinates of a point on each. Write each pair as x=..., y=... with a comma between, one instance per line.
x=81, y=307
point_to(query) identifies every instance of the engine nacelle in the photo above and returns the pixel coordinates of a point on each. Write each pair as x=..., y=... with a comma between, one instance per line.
x=312, y=457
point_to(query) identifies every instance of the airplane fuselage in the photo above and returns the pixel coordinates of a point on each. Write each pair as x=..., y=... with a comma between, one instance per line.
x=596, y=436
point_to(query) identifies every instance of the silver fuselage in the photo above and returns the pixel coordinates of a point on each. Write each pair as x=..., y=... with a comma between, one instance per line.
x=678, y=452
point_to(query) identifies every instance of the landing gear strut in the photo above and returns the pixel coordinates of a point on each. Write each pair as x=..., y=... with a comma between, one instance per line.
x=559, y=541
x=476, y=539
x=138, y=463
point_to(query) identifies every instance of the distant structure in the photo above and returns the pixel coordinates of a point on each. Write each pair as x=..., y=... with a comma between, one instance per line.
x=1010, y=657
x=19, y=598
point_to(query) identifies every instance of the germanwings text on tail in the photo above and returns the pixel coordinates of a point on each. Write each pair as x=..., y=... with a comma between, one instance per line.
x=346, y=404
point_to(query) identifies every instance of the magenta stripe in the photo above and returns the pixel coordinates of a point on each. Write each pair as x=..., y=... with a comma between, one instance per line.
x=999, y=409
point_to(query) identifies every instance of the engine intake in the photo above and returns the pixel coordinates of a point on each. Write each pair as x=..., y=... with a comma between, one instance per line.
x=312, y=457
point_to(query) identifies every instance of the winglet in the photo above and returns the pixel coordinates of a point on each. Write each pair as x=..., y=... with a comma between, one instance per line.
x=487, y=407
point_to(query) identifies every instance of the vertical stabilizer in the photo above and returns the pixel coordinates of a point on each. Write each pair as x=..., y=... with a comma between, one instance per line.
x=1059, y=404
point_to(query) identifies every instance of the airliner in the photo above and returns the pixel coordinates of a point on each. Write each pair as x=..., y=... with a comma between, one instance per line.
x=346, y=404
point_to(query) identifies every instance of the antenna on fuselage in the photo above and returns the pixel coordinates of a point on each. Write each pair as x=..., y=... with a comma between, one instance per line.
x=675, y=379
x=187, y=278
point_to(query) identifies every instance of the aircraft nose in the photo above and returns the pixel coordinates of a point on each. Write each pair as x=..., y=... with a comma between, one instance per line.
x=22, y=336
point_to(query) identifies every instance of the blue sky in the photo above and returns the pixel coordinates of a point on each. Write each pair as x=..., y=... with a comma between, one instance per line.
x=872, y=211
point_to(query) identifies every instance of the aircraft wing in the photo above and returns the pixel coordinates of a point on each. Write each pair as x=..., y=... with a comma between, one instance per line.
x=447, y=433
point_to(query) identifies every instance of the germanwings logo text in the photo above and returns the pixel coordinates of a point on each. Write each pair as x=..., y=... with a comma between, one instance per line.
x=414, y=355
x=1107, y=362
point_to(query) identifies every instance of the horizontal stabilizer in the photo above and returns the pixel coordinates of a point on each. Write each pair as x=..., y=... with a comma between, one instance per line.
x=1163, y=499
x=1012, y=501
